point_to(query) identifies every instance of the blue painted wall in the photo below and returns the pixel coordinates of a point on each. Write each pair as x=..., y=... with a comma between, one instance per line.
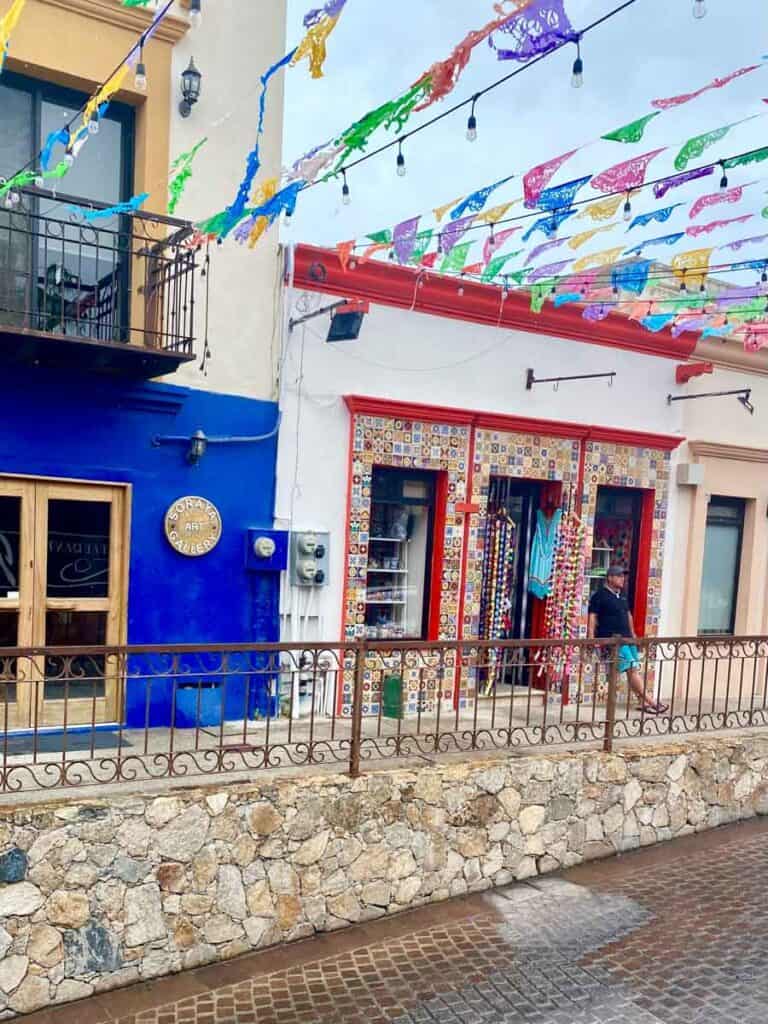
x=58, y=424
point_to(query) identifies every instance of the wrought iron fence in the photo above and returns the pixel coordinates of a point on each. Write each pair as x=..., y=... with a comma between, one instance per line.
x=125, y=278
x=102, y=715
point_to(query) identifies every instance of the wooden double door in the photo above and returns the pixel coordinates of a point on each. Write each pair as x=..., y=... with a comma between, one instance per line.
x=62, y=584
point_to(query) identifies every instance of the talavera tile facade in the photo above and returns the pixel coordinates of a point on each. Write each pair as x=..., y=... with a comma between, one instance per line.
x=445, y=447
x=389, y=441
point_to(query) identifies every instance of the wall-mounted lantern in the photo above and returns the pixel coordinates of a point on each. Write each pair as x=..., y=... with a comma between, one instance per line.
x=191, y=81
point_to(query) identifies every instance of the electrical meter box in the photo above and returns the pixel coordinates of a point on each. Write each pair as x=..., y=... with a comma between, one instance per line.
x=266, y=550
x=309, y=558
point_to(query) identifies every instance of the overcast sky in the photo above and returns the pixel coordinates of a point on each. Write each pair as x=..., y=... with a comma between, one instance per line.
x=654, y=49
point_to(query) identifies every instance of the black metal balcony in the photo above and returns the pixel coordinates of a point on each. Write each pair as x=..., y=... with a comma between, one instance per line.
x=116, y=295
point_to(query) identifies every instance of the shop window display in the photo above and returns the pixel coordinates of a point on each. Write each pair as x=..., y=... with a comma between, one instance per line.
x=400, y=554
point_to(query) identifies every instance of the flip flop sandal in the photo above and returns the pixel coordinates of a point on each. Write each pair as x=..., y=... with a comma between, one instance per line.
x=649, y=709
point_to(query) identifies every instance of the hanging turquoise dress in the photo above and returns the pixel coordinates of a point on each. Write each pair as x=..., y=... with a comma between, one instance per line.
x=543, y=553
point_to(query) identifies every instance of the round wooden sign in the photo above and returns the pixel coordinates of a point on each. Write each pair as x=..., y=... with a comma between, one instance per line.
x=193, y=526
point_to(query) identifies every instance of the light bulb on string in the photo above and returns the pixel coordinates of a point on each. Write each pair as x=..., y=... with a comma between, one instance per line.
x=460, y=289
x=492, y=243
x=39, y=181
x=140, y=78
x=577, y=76
x=472, y=123
x=346, y=198
x=724, y=179
x=627, y=209
x=195, y=13
x=699, y=8
x=93, y=123
x=400, y=161
x=69, y=159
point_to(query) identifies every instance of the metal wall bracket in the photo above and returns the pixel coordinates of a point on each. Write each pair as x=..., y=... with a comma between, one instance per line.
x=531, y=379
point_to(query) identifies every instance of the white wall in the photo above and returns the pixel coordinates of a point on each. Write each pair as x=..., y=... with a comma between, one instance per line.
x=237, y=41
x=419, y=358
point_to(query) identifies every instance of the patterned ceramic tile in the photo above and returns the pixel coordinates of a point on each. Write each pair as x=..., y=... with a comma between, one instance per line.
x=390, y=441
x=402, y=443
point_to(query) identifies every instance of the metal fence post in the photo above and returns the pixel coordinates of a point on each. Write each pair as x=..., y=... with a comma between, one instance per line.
x=357, y=711
x=610, y=706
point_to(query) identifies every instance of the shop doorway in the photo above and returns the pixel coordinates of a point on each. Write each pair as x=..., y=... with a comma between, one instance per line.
x=620, y=521
x=507, y=608
x=63, y=556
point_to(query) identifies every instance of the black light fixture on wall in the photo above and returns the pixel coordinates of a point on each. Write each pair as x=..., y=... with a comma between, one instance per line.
x=743, y=395
x=191, y=82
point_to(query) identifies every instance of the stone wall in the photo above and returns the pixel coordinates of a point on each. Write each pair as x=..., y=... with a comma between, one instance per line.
x=100, y=893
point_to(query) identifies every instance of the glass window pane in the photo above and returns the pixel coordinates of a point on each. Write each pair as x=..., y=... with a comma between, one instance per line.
x=9, y=627
x=83, y=269
x=16, y=129
x=719, y=582
x=99, y=176
x=16, y=148
x=78, y=548
x=80, y=675
x=399, y=554
x=10, y=537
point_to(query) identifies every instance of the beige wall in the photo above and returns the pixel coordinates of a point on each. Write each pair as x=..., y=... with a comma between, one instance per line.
x=736, y=472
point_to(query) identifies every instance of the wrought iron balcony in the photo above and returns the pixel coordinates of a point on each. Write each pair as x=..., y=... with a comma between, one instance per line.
x=115, y=295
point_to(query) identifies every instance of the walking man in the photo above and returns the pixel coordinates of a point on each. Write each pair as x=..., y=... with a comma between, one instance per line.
x=609, y=616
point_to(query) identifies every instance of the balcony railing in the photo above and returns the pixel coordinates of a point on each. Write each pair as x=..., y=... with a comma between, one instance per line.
x=126, y=282
x=191, y=711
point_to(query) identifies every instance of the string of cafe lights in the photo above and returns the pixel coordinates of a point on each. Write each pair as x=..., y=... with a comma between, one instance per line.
x=577, y=80
x=600, y=196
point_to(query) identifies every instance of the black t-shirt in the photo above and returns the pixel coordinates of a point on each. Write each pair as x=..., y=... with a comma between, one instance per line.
x=612, y=613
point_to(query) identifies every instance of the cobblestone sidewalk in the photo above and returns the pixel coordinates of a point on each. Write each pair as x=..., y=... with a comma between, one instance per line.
x=677, y=934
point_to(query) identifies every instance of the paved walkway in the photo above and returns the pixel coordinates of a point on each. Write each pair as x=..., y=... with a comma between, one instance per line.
x=677, y=934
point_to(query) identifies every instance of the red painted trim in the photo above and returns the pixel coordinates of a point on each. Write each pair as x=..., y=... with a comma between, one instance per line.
x=320, y=270
x=635, y=438
x=460, y=632
x=526, y=425
x=364, y=406
x=643, y=571
x=514, y=424
x=438, y=553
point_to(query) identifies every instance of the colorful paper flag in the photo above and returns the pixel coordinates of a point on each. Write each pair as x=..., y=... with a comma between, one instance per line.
x=538, y=177
x=632, y=132
x=404, y=239
x=716, y=83
x=625, y=176
x=692, y=267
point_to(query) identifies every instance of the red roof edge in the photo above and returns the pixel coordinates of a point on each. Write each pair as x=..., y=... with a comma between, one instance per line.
x=423, y=291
